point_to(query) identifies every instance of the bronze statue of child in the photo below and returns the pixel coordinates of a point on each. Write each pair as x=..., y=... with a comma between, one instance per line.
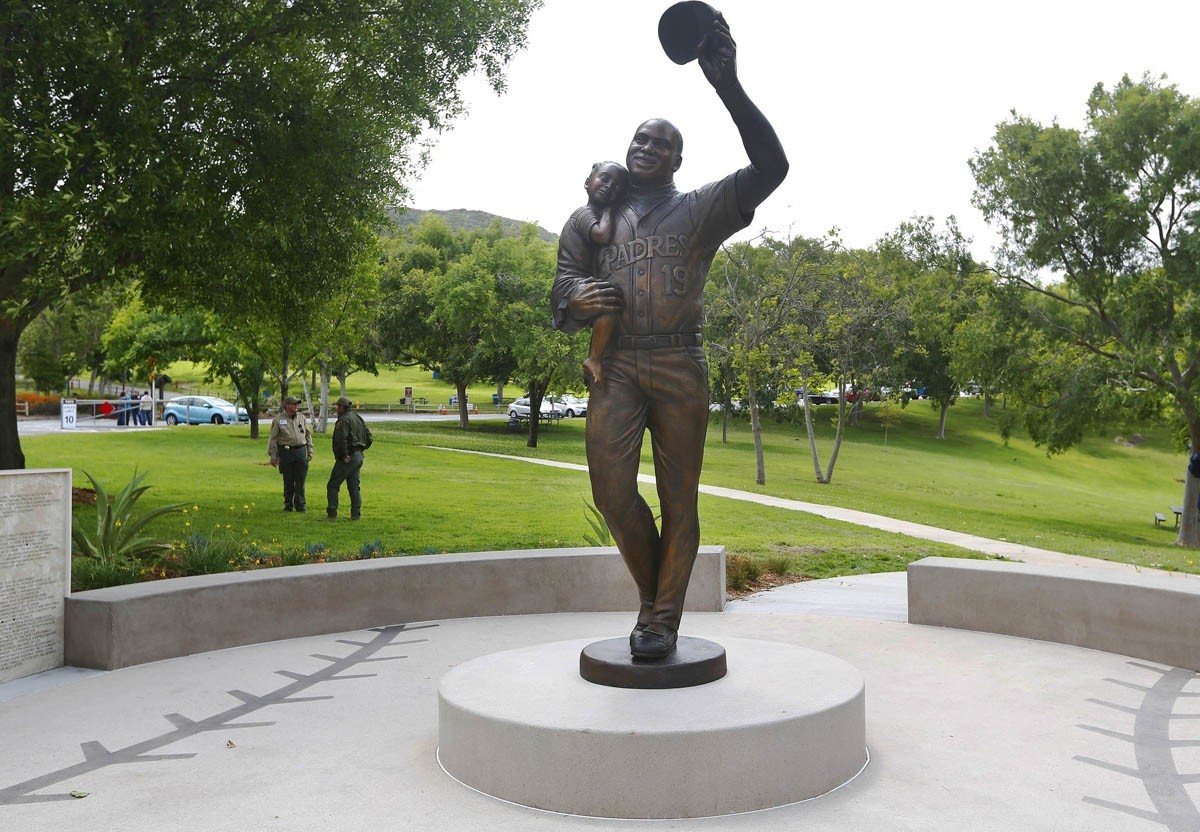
x=607, y=187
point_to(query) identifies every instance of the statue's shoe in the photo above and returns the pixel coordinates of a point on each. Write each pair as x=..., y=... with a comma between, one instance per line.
x=647, y=644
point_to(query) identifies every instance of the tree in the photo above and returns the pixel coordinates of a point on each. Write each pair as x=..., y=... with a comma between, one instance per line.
x=331, y=278
x=243, y=364
x=132, y=133
x=941, y=286
x=1113, y=210
x=759, y=302
x=439, y=305
x=527, y=348
x=66, y=339
x=720, y=333
x=855, y=328
x=140, y=338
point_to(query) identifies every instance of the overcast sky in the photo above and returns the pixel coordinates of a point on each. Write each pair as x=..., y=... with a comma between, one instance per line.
x=879, y=104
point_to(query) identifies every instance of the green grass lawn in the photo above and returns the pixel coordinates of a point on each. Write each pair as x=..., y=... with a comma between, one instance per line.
x=1096, y=500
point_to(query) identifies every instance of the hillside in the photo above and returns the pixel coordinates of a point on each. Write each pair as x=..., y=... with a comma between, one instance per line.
x=462, y=219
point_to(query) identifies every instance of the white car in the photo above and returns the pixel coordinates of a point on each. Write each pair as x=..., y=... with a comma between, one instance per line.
x=572, y=405
x=520, y=409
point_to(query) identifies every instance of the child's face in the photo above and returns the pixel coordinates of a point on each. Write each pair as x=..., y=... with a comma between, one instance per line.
x=605, y=185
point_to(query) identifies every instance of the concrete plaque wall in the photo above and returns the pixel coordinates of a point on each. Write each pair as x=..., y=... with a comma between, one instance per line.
x=35, y=569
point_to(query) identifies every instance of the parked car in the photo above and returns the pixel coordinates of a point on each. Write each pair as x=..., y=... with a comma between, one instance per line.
x=520, y=409
x=572, y=405
x=203, y=410
x=828, y=397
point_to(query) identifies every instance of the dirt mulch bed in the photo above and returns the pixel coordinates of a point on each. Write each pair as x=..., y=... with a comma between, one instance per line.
x=768, y=580
x=83, y=496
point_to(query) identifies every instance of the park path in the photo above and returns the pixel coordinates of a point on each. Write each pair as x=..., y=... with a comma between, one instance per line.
x=999, y=548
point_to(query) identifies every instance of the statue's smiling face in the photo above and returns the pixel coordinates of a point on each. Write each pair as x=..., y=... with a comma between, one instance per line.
x=654, y=154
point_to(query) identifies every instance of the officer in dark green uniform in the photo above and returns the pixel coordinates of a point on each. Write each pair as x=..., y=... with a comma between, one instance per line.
x=350, y=439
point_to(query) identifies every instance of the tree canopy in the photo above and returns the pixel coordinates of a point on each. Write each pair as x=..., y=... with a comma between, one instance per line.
x=151, y=141
x=473, y=306
x=1113, y=211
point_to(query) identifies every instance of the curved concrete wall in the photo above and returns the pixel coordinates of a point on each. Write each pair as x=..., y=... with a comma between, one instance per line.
x=127, y=625
x=1154, y=617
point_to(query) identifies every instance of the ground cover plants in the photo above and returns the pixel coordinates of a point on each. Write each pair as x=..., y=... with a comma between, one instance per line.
x=1096, y=500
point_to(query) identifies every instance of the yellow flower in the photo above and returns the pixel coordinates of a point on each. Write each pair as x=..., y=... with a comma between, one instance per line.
x=195, y=508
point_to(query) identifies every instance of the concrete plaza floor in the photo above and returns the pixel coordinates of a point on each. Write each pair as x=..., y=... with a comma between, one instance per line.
x=965, y=730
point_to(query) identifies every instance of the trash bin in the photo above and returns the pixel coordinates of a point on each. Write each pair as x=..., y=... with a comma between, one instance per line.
x=495, y=398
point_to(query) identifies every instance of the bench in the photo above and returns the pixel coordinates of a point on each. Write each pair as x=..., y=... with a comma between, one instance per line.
x=1178, y=512
x=516, y=421
x=1159, y=519
x=1148, y=616
x=126, y=625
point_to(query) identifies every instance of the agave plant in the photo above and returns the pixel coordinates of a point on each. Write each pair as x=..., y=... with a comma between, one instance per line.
x=600, y=535
x=118, y=534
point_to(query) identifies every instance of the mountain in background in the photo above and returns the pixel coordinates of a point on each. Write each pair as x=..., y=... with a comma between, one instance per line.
x=460, y=219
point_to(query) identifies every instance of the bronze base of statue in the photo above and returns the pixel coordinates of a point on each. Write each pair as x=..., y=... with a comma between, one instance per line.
x=695, y=661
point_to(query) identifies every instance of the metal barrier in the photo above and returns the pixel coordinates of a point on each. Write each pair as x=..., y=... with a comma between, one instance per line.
x=111, y=413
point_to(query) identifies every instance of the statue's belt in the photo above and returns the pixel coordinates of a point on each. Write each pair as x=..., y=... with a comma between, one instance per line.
x=654, y=342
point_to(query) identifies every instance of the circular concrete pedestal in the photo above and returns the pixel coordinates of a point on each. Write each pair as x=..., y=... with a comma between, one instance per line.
x=784, y=724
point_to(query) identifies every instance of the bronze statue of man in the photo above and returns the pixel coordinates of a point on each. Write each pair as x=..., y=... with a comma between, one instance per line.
x=652, y=275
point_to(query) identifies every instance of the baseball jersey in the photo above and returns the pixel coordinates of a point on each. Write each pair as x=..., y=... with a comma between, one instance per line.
x=659, y=260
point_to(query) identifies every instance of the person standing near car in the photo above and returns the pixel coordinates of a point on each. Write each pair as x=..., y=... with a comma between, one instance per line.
x=146, y=406
x=350, y=438
x=290, y=448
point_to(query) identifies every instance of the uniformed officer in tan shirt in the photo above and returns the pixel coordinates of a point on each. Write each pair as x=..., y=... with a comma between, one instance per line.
x=290, y=448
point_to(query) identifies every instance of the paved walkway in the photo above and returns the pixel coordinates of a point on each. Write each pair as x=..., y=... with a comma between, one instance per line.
x=965, y=730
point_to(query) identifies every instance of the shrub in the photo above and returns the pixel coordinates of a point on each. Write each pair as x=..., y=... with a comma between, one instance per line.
x=293, y=557
x=97, y=573
x=741, y=571
x=374, y=549
x=779, y=564
x=40, y=404
x=200, y=555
